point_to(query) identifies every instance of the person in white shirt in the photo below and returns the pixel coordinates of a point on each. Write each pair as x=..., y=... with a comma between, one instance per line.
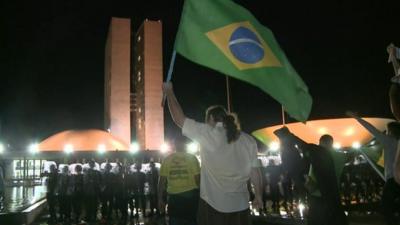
x=228, y=161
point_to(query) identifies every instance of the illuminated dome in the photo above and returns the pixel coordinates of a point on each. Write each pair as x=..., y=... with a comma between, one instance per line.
x=345, y=132
x=82, y=140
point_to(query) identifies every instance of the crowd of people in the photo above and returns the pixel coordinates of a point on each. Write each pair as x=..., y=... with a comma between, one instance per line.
x=79, y=192
x=360, y=190
x=76, y=195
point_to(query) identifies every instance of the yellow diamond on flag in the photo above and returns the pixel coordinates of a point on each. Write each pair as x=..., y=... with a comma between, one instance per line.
x=381, y=161
x=243, y=46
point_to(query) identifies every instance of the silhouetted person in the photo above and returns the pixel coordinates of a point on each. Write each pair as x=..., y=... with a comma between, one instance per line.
x=129, y=184
x=51, y=194
x=139, y=178
x=394, y=91
x=346, y=181
x=152, y=179
x=274, y=174
x=92, y=190
x=65, y=194
x=77, y=193
x=121, y=194
x=107, y=192
x=287, y=192
x=265, y=187
x=322, y=182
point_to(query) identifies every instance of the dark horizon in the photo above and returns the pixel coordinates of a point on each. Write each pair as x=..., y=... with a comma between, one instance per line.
x=52, y=61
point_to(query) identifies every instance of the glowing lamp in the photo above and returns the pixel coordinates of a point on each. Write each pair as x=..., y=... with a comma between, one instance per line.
x=101, y=148
x=165, y=148
x=33, y=148
x=68, y=148
x=337, y=145
x=274, y=146
x=134, y=147
x=356, y=145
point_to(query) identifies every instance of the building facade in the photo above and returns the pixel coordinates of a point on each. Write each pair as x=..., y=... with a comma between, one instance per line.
x=117, y=93
x=147, y=81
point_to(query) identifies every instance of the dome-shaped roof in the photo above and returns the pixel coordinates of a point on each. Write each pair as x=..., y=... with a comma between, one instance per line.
x=345, y=131
x=83, y=140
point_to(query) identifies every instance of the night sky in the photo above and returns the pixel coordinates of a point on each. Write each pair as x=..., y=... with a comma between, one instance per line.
x=52, y=62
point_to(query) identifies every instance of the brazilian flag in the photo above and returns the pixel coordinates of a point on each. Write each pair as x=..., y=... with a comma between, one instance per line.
x=224, y=36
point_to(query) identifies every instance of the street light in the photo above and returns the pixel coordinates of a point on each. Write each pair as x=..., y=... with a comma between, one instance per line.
x=356, y=145
x=68, y=148
x=165, y=147
x=33, y=148
x=101, y=148
x=274, y=146
x=337, y=145
x=134, y=147
x=1, y=148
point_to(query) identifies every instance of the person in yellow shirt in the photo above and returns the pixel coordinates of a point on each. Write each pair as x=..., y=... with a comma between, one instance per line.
x=180, y=179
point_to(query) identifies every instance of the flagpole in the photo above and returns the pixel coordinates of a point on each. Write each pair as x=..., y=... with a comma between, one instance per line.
x=283, y=116
x=372, y=165
x=228, y=94
x=169, y=75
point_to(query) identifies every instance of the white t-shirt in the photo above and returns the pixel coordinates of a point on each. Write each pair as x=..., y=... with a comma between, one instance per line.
x=225, y=168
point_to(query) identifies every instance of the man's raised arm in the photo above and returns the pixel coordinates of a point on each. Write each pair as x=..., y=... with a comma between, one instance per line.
x=174, y=107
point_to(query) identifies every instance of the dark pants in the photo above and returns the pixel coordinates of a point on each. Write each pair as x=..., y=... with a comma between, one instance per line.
x=91, y=207
x=77, y=202
x=65, y=207
x=275, y=198
x=287, y=197
x=390, y=201
x=153, y=202
x=121, y=204
x=140, y=202
x=321, y=212
x=207, y=215
x=52, y=202
x=107, y=204
x=182, y=207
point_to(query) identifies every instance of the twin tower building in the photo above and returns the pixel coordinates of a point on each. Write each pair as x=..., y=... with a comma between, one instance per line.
x=133, y=83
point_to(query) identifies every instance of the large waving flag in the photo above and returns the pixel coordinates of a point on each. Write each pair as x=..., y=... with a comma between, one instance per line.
x=224, y=36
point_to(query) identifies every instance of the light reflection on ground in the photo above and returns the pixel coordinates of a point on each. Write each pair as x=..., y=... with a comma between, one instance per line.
x=18, y=198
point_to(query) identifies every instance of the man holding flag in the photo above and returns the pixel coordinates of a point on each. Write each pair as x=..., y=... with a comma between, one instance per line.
x=228, y=162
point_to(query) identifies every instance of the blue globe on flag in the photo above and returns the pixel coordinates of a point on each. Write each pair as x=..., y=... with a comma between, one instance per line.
x=245, y=46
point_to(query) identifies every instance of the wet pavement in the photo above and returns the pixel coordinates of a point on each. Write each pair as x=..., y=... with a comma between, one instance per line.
x=356, y=219
x=19, y=198
x=271, y=220
x=16, y=199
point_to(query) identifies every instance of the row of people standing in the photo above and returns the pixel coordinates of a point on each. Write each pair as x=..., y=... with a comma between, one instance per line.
x=114, y=189
x=360, y=188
